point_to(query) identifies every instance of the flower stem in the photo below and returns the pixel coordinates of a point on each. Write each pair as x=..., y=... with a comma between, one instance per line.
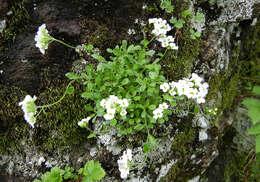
x=64, y=43
x=49, y=105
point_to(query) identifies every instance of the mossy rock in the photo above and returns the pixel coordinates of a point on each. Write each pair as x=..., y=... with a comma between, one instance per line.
x=12, y=126
x=178, y=64
x=16, y=22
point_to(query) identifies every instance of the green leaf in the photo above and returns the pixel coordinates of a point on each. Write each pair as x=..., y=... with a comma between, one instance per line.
x=254, y=114
x=186, y=13
x=55, y=175
x=197, y=34
x=69, y=173
x=251, y=102
x=144, y=43
x=92, y=135
x=131, y=121
x=143, y=115
x=99, y=58
x=113, y=122
x=70, y=90
x=255, y=129
x=256, y=90
x=36, y=180
x=109, y=50
x=257, y=145
x=87, y=179
x=125, y=81
x=86, y=95
x=150, y=53
x=98, y=172
x=139, y=127
x=153, y=75
x=131, y=48
x=196, y=110
x=90, y=47
x=152, y=107
x=72, y=76
x=93, y=171
x=88, y=107
x=152, y=140
x=146, y=148
x=173, y=20
x=199, y=17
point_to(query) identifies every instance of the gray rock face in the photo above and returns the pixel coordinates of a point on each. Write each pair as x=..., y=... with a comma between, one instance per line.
x=77, y=21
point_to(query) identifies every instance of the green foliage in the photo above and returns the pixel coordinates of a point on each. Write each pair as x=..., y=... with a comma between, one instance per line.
x=130, y=74
x=90, y=173
x=167, y=6
x=253, y=106
x=194, y=34
x=177, y=23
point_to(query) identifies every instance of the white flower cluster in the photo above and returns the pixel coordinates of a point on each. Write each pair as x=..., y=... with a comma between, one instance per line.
x=161, y=27
x=192, y=87
x=84, y=122
x=158, y=112
x=113, y=104
x=124, y=163
x=213, y=111
x=81, y=48
x=42, y=38
x=29, y=109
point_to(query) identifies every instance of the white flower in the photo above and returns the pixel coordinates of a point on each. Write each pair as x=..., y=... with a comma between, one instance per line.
x=84, y=122
x=29, y=108
x=113, y=98
x=163, y=106
x=123, y=103
x=123, y=112
x=172, y=92
x=164, y=87
x=42, y=38
x=103, y=103
x=124, y=163
x=111, y=110
x=109, y=116
x=157, y=113
x=29, y=117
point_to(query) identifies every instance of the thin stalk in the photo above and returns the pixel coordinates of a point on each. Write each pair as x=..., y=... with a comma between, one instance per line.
x=65, y=93
x=64, y=43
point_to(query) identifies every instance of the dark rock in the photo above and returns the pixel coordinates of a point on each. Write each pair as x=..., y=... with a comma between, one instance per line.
x=3, y=7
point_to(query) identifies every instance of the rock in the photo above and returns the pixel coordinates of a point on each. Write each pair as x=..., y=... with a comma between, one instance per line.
x=3, y=7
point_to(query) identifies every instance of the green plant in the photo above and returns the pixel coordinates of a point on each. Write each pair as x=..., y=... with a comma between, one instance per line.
x=167, y=5
x=92, y=171
x=194, y=34
x=253, y=105
x=130, y=74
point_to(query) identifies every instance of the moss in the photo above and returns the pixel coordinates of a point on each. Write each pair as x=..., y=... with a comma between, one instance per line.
x=16, y=22
x=178, y=64
x=55, y=129
x=12, y=126
x=58, y=127
x=250, y=52
x=232, y=164
x=183, y=146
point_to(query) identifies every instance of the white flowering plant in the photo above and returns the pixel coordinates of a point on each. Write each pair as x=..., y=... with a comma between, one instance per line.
x=129, y=90
x=179, y=23
x=125, y=91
